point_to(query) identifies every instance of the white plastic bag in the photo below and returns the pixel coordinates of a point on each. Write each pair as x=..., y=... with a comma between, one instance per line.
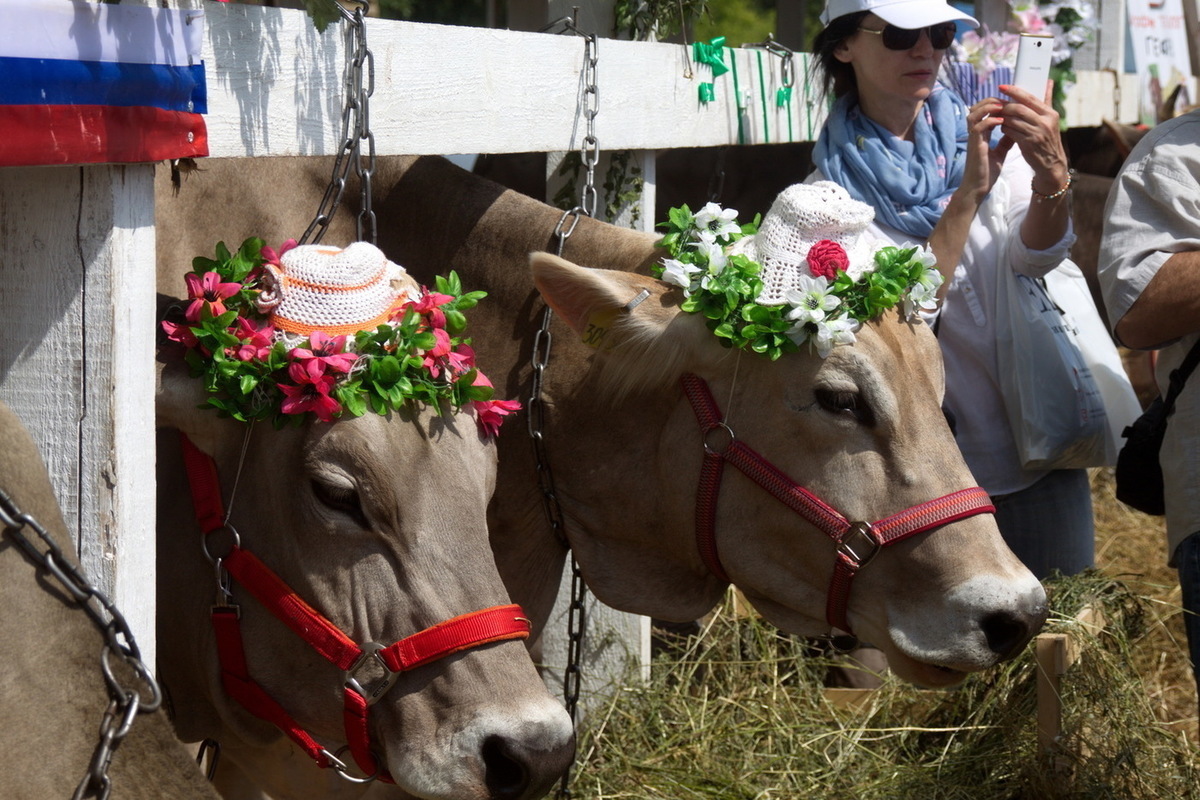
x=1069, y=290
x=1054, y=404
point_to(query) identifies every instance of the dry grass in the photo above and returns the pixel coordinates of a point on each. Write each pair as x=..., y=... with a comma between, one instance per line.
x=738, y=712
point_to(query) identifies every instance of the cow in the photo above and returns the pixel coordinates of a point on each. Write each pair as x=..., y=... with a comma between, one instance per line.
x=327, y=580
x=54, y=692
x=862, y=429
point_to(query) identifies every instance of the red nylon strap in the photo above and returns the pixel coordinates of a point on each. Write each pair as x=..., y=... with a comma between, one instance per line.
x=926, y=516
x=238, y=684
x=495, y=624
x=205, y=485
x=477, y=628
x=706, y=513
x=358, y=735
x=279, y=598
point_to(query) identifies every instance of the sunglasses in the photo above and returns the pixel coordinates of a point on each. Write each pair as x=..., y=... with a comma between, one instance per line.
x=940, y=36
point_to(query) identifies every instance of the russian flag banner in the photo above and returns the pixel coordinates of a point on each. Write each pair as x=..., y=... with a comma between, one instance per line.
x=88, y=83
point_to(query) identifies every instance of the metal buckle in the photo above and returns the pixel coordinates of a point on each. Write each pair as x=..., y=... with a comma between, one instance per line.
x=342, y=769
x=371, y=653
x=846, y=548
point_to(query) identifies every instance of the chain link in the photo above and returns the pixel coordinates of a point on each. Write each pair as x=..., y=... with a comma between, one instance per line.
x=589, y=156
x=358, y=142
x=124, y=703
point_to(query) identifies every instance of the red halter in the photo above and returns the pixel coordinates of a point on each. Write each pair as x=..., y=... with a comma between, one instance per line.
x=495, y=624
x=857, y=542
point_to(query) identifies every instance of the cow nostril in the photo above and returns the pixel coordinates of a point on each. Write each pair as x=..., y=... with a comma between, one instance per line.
x=1006, y=633
x=506, y=776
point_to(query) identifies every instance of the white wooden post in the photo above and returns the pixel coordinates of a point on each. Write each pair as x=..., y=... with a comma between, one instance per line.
x=76, y=362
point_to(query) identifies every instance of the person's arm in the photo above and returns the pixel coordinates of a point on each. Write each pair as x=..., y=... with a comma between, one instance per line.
x=1033, y=125
x=1169, y=306
x=949, y=236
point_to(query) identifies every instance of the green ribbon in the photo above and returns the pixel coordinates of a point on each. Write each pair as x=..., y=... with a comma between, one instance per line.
x=708, y=93
x=712, y=54
x=783, y=96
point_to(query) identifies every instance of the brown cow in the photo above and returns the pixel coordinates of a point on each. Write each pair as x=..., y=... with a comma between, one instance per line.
x=54, y=693
x=626, y=463
x=379, y=524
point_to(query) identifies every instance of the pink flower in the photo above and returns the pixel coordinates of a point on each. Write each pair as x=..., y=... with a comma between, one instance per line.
x=271, y=257
x=491, y=413
x=208, y=290
x=256, y=342
x=310, y=392
x=455, y=362
x=326, y=350
x=826, y=258
x=429, y=306
x=180, y=333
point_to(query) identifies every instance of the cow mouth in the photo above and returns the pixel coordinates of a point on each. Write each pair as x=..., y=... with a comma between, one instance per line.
x=925, y=674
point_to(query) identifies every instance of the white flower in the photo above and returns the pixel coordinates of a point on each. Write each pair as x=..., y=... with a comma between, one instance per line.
x=717, y=221
x=810, y=300
x=922, y=295
x=834, y=331
x=714, y=254
x=924, y=255
x=678, y=273
x=825, y=334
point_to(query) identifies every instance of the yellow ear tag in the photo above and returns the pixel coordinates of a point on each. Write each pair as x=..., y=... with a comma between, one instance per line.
x=599, y=323
x=597, y=327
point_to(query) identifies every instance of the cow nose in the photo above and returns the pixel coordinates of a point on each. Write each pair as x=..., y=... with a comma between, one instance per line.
x=515, y=770
x=1008, y=632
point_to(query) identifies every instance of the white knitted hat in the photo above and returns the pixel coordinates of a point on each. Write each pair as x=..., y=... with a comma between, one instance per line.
x=801, y=216
x=338, y=291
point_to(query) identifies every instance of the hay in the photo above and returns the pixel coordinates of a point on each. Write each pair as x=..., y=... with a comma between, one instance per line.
x=738, y=712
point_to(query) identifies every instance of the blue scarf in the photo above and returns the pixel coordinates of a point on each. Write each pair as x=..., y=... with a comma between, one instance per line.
x=908, y=183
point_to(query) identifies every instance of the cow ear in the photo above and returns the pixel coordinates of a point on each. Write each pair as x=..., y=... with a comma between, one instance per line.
x=634, y=319
x=591, y=300
x=178, y=402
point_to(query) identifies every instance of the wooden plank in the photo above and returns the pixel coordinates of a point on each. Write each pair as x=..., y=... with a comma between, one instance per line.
x=275, y=88
x=76, y=363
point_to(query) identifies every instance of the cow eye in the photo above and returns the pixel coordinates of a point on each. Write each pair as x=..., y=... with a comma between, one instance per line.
x=840, y=401
x=341, y=498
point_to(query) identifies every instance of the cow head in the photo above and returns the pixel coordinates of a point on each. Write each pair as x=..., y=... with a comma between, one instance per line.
x=862, y=429
x=378, y=523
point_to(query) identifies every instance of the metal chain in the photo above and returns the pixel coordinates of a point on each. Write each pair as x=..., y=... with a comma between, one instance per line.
x=124, y=703
x=358, y=143
x=576, y=615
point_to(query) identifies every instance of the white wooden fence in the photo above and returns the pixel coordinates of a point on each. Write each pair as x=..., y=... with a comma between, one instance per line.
x=77, y=242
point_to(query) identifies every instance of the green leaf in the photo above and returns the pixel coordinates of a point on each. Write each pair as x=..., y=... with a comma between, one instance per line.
x=322, y=12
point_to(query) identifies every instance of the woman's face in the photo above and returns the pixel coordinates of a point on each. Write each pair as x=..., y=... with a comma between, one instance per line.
x=886, y=76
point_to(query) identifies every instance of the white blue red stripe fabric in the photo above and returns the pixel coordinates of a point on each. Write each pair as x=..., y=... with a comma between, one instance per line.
x=85, y=83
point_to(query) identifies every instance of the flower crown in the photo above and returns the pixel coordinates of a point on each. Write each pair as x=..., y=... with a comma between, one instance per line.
x=253, y=371
x=823, y=309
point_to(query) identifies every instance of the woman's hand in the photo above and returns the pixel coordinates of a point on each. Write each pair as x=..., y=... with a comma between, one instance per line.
x=1033, y=125
x=983, y=161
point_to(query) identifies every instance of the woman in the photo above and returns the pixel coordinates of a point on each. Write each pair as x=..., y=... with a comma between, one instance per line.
x=938, y=172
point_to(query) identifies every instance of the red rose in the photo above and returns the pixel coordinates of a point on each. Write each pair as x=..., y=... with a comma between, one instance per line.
x=827, y=257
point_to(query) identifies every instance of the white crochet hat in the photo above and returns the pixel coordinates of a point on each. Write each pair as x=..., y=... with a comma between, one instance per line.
x=338, y=291
x=801, y=216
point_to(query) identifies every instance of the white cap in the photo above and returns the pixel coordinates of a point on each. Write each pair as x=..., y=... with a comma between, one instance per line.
x=901, y=13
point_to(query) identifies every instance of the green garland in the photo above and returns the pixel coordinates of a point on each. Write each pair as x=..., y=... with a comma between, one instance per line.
x=250, y=373
x=723, y=287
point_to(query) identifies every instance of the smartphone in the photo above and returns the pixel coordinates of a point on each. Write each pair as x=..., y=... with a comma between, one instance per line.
x=1033, y=63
